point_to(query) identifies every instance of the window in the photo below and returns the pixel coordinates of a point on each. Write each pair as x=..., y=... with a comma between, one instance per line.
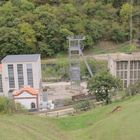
x=135, y=64
x=122, y=65
x=135, y=74
x=1, y=88
x=135, y=70
x=125, y=83
x=32, y=105
x=131, y=64
x=125, y=74
x=20, y=75
x=11, y=76
x=118, y=65
x=139, y=74
x=138, y=64
x=131, y=74
x=30, y=75
x=125, y=65
x=122, y=72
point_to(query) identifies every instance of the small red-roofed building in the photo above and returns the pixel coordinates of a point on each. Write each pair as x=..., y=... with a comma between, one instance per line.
x=28, y=97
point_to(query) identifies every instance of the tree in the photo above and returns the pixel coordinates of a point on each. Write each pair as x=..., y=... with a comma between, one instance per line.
x=101, y=86
x=125, y=12
x=42, y=26
x=118, y=33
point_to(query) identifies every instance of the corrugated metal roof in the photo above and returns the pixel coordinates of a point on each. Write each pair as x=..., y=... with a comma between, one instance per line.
x=20, y=58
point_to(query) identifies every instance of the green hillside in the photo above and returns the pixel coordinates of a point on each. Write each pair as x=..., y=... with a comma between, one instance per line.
x=100, y=124
x=42, y=26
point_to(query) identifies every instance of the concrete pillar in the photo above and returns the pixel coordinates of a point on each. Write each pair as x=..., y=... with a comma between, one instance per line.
x=128, y=73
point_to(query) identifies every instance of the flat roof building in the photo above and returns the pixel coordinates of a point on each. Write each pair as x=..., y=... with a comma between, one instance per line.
x=18, y=71
x=21, y=58
x=126, y=67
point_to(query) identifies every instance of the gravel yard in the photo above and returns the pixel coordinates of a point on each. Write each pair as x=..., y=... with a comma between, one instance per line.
x=62, y=90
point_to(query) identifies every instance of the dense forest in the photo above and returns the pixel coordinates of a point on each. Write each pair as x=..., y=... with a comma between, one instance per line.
x=42, y=26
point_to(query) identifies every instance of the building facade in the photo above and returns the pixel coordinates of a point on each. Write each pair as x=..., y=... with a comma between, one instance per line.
x=126, y=67
x=28, y=97
x=18, y=71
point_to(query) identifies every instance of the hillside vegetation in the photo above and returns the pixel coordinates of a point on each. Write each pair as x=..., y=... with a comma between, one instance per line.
x=99, y=124
x=41, y=26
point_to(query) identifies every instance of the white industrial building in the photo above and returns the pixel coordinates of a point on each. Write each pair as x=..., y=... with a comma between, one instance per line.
x=126, y=67
x=19, y=72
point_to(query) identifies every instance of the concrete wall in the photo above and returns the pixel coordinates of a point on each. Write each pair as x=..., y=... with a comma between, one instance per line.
x=112, y=66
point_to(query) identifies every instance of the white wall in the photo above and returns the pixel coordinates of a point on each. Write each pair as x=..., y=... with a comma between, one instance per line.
x=26, y=99
x=36, y=66
x=26, y=102
x=37, y=73
x=5, y=79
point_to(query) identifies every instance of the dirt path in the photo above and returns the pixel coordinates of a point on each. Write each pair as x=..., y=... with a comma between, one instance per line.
x=61, y=90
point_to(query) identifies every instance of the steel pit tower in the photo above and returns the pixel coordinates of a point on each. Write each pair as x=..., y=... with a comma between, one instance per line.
x=75, y=51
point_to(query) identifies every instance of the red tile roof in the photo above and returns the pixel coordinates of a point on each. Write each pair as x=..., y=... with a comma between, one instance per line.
x=28, y=89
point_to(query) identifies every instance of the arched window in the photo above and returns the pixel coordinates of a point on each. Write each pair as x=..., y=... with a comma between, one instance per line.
x=32, y=105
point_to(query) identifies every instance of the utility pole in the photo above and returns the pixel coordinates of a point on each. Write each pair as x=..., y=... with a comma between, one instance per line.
x=131, y=22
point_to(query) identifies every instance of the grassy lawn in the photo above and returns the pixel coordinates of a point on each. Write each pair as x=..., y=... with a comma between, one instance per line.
x=100, y=124
x=28, y=127
x=97, y=124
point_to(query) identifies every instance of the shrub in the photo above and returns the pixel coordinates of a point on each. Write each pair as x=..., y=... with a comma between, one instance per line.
x=95, y=66
x=68, y=102
x=118, y=34
x=102, y=85
x=9, y=106
x=133, y=89
x=83, y=106
x=20, y=108
x=6, y=105
x=58, y=69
